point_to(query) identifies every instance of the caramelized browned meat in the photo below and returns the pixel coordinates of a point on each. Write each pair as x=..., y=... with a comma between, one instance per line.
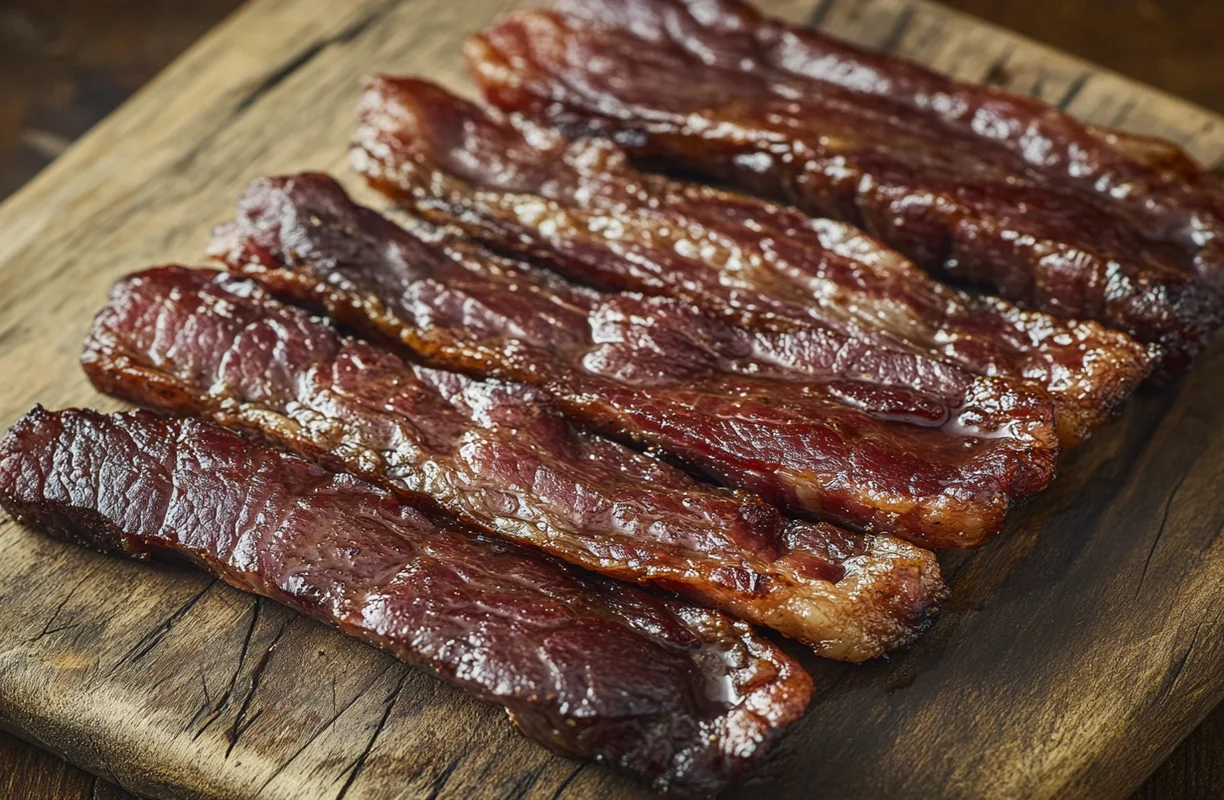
x=971, y=182
x=594, y=668
x=582, y=210
x=940, y=470
x=497, y=455
x=588, y=667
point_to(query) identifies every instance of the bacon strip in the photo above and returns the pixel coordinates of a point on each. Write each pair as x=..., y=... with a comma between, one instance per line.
x=499, y=456
x=969, y=182
x=930, y=468
x=589, y=667
x=581, y=209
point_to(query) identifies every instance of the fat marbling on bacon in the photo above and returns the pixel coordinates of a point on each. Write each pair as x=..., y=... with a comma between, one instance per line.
x=499, y=456
x=938, y=469
x=581, y=209
x=971, y=182
x=680, y=695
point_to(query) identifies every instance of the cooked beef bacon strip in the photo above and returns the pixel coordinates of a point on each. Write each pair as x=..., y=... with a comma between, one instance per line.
x=971, y=183
x=497, y=455
x=655, y=370
x=1172, y=187
x=582, y=210
x=589, y=667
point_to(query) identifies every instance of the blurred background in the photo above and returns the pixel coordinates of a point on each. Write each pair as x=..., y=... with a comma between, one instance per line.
x=65, y=64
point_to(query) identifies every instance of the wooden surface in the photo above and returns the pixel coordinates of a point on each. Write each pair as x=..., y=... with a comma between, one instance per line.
x=1078, y=652
x=64, y=64
x=1171, y=44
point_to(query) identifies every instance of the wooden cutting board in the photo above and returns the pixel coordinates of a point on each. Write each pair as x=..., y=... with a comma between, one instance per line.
x=1079, y=648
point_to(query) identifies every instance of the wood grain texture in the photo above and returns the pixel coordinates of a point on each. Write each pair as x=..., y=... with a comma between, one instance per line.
x=65, y=64
x=1079, y=650
x=1196, y=768
x=1173, y=44
x=32, y=774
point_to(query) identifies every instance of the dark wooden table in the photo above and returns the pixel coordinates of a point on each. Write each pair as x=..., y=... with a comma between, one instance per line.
x=64, y=64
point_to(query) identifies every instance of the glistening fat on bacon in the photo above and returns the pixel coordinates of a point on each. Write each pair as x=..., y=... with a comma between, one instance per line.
x=680, y=695
x=581, y=209
x=938, y=470
x=499, y=456
x=974, y=183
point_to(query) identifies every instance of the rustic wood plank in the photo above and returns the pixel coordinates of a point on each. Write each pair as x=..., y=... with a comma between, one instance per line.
x=1079, y=650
